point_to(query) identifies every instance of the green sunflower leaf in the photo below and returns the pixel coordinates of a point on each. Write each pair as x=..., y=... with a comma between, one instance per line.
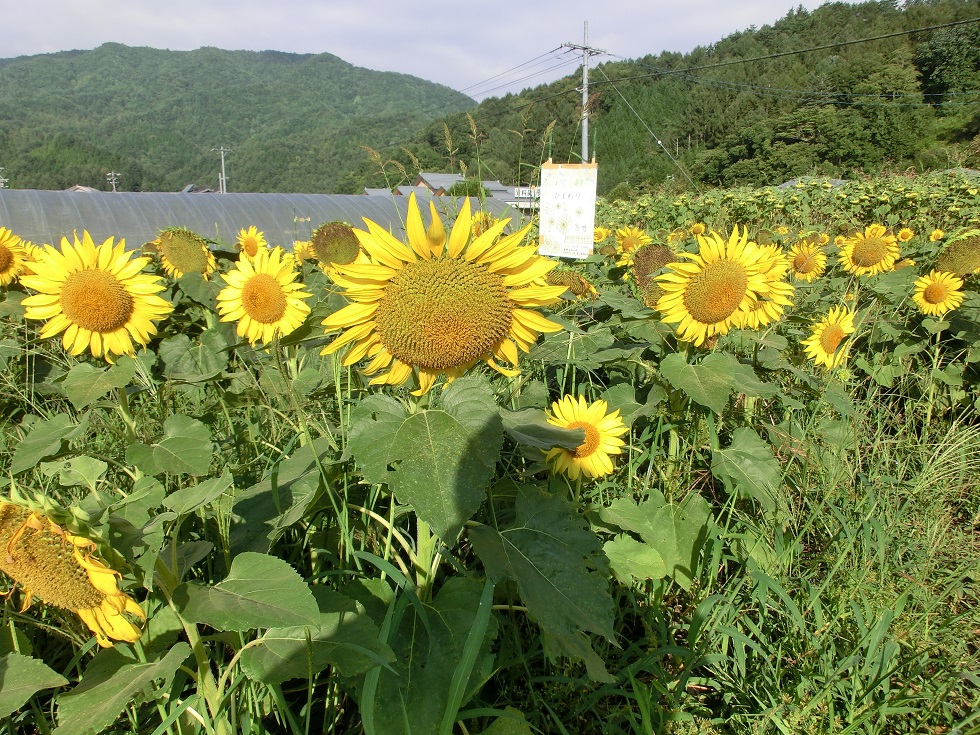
x=708, y=383
x=557, y=562
x=22, y=678
x=260, y=591
x=112, y=680
x=345, y=637
x=85, y=384
x=44, y=440
x=749, y=469
x=185, y=448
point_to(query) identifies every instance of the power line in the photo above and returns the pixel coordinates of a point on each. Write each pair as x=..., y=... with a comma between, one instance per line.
x=782, y=54
x=512, y=69
x=524, y=78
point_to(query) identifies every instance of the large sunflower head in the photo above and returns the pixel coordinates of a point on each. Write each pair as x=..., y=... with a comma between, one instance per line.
x=60, y=569
x=629, y=239
x=603, y=430
x=961, y=256
x=870, y=252
x=12, y=256
x=434, y=309
x=182, y=251
x=96, y=295
x=263, y=297
x=334, y=243
x=826, y=345
x=251, y=241
x=807, y=261
x=712, y=291
x=938, y=293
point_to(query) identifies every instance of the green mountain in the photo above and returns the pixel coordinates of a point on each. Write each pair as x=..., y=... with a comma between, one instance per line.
x=293, y=122
x=843, y=90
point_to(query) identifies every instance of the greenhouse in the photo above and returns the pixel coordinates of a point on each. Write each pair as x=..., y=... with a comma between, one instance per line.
x=47, y=216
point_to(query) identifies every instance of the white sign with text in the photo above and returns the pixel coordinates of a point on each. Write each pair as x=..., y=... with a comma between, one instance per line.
x=567, y=209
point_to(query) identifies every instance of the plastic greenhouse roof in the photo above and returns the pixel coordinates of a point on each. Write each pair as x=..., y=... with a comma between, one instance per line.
x=47, y=216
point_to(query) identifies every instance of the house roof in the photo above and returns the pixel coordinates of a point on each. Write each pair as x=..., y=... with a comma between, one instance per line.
x=437, y=182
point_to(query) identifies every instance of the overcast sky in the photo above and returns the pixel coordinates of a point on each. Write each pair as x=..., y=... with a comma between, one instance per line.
x=464, y=45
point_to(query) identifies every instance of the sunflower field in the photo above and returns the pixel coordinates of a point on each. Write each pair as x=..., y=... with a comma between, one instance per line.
x=722, y=476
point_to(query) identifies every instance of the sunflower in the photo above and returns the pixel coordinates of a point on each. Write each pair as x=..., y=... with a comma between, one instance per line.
x=905, y=234
x=182, y=251
x=334, y=243
x=96, y=295
x=441, y=309
x=12, y=256
x=824, y=344
x=602, y=431
x=936, y=235
x=600, y=233
x=629, y=239
x=697, y=228
x=263, y=296
x=579, y=285
x=938, y=293
x=870, y=252
x=645, y=261
x=303, y=251
x=807, y=261
x=961, y=257
x=767, y=306
x=713, y=293
x=59, y=569
x=251, y=241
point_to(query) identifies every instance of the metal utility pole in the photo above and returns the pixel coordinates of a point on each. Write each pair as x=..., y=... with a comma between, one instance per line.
x=113, y=178
x=586, y=50
x=222, y=177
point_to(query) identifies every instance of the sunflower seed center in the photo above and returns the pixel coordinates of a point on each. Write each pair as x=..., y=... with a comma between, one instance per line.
x=936, y=293
x=263, y=299
x=96, y=300
x=714, y=294
x=591, y=443
x=831, y=338
x=443, y=313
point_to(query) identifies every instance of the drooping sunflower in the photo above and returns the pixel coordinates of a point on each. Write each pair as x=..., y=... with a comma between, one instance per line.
x=580, y=286
x=439, y=309
x=870, y=252
x=251, y=241
x=713, y=292
x=60, y=569
x=334, y=243
x=905, y=234
x=645, y=261
x=603, y=430
x=938, y=293
x=961, y=256
x=96, y=295
x=824, y=346
x=629, y=239
x=808, y=261
x=263, y=297
x=12, y=256
x=182, y=251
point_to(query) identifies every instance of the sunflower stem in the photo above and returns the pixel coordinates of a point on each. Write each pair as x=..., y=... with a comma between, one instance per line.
x=126, y=411
x=425, y=546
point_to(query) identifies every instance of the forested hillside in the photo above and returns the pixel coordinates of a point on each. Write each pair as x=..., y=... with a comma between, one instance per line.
x=293, y=122
x=750, y=109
